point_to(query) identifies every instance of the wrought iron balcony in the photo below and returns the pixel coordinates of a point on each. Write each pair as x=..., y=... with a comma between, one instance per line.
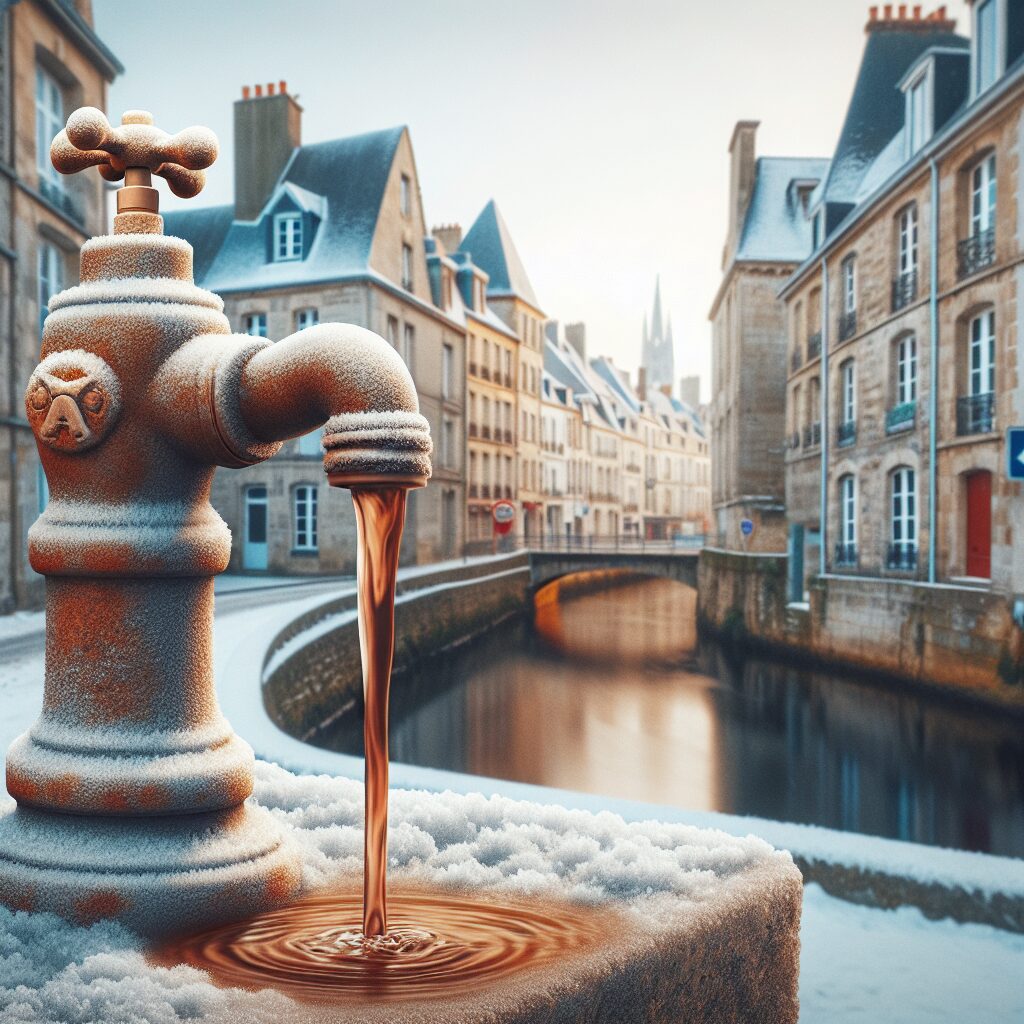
x=485, y=491
x=813, y=346
x=846, y=433
x=472, y=369
x=797, y=359
x=846, y=556
x=900, y=417
x=904, y=290
x=902, y=557
x=975, y=414
x=485, y=432
x=848, y=325
x=976, y=253
x=812, y=435
x=474, y=490
x=485, y=373
x=474, y=430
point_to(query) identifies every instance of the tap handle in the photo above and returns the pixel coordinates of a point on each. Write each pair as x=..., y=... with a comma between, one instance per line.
x=90, y=141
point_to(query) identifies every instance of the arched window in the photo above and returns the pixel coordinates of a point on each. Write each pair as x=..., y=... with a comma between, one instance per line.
x=903, y=519
x=304, y=523
x=846, y=549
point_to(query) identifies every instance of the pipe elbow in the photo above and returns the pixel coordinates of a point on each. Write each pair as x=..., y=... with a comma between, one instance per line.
x=352, y=381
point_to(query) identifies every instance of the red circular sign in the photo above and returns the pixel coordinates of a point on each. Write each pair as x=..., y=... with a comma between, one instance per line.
x=504, y=515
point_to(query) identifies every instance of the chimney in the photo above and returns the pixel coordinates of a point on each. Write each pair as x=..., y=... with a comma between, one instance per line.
x=742, y=150
x=904, y=18
x=267, y=130
x=449, y=235
x=689, y=390
x=576, y=335
x=641, y=383
x=666, y=390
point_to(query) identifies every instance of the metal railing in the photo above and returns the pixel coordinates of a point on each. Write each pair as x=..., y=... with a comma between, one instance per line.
x=902, y=557
x=848, y=325
x=900, y=417
x=975, y=414
x=846, y=434
x=976, y=253
x=904, y=290
x=846, y=556
x=813, y=346
x=615, y=542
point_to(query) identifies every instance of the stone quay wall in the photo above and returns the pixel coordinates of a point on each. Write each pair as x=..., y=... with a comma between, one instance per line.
x=962, y=639
x=320, y=678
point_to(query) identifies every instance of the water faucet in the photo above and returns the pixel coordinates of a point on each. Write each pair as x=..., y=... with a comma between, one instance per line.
x=131, y=787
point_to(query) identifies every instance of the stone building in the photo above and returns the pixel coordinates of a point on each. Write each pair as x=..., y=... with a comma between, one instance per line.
x=53, y=62
x=768, y=237
x=332, y=231
x=509, y=293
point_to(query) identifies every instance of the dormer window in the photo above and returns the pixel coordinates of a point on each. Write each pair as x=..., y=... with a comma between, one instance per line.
x=987, y=51
x=287, y=237
x=406, y=195
x=919, y=110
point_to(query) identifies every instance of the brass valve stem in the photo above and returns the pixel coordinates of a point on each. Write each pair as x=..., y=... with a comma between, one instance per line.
x=138, y=195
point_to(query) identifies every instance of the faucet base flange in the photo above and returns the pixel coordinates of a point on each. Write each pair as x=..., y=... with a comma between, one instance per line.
x=375, y=480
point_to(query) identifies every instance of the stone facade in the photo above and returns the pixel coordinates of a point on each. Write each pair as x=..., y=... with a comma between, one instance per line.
x=52, y=63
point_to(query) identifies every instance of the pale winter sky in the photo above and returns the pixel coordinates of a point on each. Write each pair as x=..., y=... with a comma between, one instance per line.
x=599, y=127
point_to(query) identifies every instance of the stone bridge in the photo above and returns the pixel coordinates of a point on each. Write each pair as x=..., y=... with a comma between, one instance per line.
x=672, y=563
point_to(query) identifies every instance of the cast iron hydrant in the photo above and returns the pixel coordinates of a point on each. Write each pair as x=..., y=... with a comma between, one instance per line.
x=131, y=787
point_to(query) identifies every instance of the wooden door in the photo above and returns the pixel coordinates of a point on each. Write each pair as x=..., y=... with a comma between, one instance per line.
x=979, y=524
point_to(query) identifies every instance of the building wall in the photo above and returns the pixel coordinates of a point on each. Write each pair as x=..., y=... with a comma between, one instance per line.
x=29, y=221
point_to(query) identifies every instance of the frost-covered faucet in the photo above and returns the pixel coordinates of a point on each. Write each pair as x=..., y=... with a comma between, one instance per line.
x=131, y=786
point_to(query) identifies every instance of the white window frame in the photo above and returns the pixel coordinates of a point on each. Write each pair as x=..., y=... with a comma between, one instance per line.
x=981, y=358
x=999, y=27
x=447, y=371
x=908, y=239
x=304, y=518
x=407, y=266
x=255, y=325
x=392, y=332
x=850, y=284
x=408, y=344
x=405, y=194
x=919, y=113
x=49, y=122
x=906, y=369
x=50, y=276
x=848, y=510
x=287, y=237
x=848, y=391
x=448, y=443
x=308, y=317
x=984, y=185
x=903, y=507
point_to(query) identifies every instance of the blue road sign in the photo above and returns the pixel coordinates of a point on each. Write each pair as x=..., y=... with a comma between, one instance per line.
x=747, y=525
x=1015, y=453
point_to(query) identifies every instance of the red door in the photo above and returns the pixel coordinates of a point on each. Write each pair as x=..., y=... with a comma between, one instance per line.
x=979, y=524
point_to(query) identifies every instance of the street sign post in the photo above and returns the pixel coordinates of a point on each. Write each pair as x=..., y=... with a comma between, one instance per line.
x=1015, y=453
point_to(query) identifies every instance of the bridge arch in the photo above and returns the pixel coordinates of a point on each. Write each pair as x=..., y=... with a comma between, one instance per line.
x=681, y=566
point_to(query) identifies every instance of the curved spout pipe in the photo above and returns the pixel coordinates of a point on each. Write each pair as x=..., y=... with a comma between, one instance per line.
x=355, y=382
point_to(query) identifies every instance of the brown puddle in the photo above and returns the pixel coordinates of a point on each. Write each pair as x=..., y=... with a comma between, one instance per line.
x=440, y=945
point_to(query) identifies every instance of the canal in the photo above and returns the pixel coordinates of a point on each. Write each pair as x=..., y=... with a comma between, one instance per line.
x=608, y=692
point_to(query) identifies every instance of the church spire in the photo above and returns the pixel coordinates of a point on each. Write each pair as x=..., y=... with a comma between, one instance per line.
x=656, y=325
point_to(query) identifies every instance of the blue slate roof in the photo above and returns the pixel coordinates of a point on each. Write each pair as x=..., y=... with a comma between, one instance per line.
x=603, y=367
x=342, y=180
x=775, y=226
x=490, y=244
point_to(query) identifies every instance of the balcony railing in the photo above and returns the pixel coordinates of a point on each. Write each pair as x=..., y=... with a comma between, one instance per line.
x=904, y=290
x=508, y=380
x=485, y=490
x=55, y=195
x=485, y=432
x=814, y=346
x=474, y=430
x=976, y=253
x=472, y=369
x=846, y=556
x=900, y=417
x=848, y=325
x=797, y=359
x=902, y=557
x=474, y=491
x=975, y=414
x=812, y=435
x=846, y=434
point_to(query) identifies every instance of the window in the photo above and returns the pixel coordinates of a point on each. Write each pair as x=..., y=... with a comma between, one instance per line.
x=305, y=518
x=447, y=372
x=903, y=552
x=255, y=324
x=919, y=128
x=406, y=195
x=986, y=46
x=847, y=552
x=983, y=196
x=408, y=344
x=287, y=237
x=448, y=443
x=49, y=122
x=849, y=285
x=304, y=318
x=847, y=403
x=982, y=359
x=908, y=240
x=406, y=266
x=393, y=331
x=906, y=370
x=51, y=277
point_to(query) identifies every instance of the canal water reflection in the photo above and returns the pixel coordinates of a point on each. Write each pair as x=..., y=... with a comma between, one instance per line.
x=607, y=693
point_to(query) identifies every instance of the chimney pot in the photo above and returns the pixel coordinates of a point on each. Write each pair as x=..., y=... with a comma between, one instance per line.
x=941, y=13
x=903, y=12
x=259, y=90
x=245, y=92
x=872, y=14
x=917, y=12
x=887, y=11
x=282, y=87
x=270, y=88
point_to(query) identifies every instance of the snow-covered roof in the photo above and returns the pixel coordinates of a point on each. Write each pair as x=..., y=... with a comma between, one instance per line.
x=341, y=181
x=490, y=244
x=775, y=226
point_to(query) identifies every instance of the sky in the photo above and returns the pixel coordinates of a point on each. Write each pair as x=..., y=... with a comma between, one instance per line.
x=600, y=128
